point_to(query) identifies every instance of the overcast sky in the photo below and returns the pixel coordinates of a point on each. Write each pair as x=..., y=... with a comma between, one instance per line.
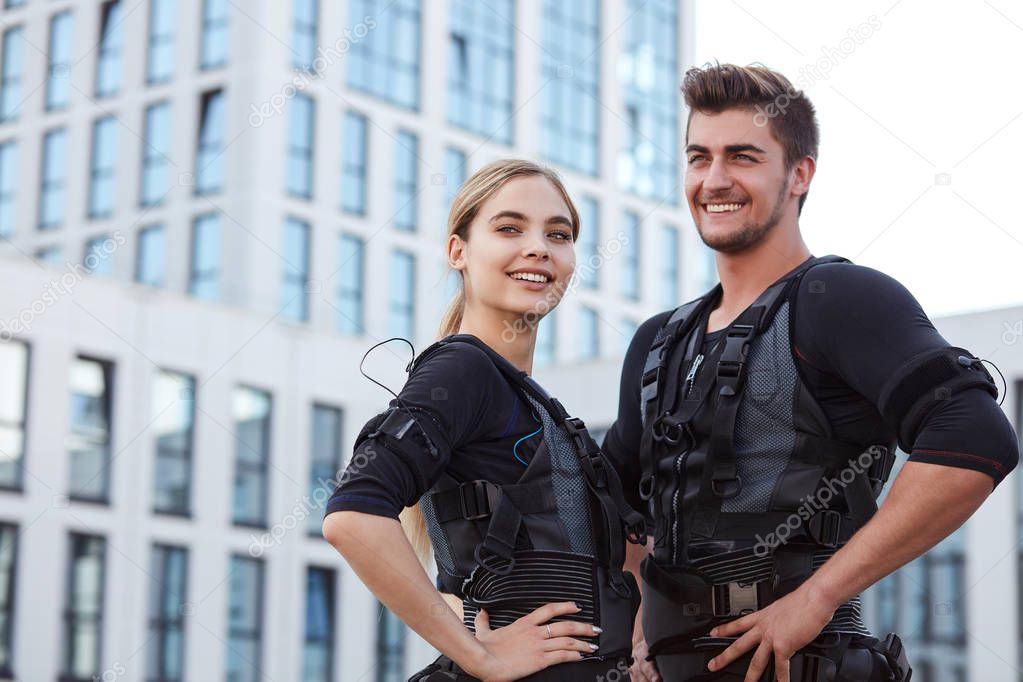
x=921, y=117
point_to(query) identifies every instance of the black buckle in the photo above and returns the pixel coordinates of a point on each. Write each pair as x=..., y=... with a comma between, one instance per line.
x=812, y=668
x=734, y=599
x=896, y=655
x=736, y=346
x=824, y=527
x=646, y=487
x=881, y=466
x=475, y=499
x=489, y=562
x=669, y=430
x=731, y=488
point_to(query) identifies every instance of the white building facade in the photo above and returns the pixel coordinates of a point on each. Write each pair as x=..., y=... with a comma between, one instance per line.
x=209, y=211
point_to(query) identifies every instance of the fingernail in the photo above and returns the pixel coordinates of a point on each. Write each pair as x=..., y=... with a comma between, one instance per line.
x=593, y=646
x=597, y=629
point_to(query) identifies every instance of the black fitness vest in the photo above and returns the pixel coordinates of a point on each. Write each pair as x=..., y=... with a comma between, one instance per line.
x=556, y=534
x=750, y=490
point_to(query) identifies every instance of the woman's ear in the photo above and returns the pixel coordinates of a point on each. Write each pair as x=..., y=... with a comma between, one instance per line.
x=456, y=252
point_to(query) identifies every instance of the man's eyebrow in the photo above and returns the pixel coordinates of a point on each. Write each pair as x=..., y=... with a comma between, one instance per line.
x=729, y=149
x=515, y=215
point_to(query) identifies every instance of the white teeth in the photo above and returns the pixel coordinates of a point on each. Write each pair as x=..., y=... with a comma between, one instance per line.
x=529, y=277
x=723, y=208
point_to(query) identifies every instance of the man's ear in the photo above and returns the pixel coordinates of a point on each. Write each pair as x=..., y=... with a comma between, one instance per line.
x=456, y=252
x=802, y=175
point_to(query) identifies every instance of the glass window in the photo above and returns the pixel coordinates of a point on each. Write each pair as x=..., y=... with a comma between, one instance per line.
x=481, y=65
x=8, y=564
x=215, y=20
x=54, y=171
x=353, y=164
x=165, y=648
x=108, y=61
x=570, y=100
x=589, y=334
x=546, y=336
x=300, y=146
x=946, y=587
x=172, y=423
x=8, y=185
x=98, y=258
x=303, y=43
x=588, y=259
x=88, y=442
x=630, y=256
x=204, y=278
x=350, y=293
x=160, y=58
x=59, y=61
x=11, y=73
x=251, y=410
x=11, y=4
x=406, y=171
x=390, y=646
x=454, y=175
x=325, y=462
x=49, y=255
x=13, y=398
x=318, y=652
x=648, y=161
x=155, y=150
x=913, y=588
x=151, y=259
x=402, y=304
x=245, y=620
x=209, y=158
x=295, y=279
x=83, y=610
x=101, y=172
x=669, y=267
x=385, y=63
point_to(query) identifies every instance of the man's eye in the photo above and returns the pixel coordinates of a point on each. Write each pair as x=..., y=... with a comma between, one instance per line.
x=694, y=159
x=745, y=156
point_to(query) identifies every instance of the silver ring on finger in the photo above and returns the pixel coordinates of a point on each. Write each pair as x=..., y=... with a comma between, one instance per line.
x=549, y=635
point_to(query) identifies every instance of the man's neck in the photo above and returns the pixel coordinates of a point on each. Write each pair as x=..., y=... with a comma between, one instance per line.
x=746, y=275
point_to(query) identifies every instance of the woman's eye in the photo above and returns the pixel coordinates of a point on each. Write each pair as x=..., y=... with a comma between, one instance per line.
x=507, y=227
x=564, y=236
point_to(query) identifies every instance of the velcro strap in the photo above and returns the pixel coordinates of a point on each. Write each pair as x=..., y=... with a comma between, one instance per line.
x=478, y=499
x=929, y=379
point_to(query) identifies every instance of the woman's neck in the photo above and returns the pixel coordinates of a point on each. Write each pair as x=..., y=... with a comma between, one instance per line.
x=510, y=336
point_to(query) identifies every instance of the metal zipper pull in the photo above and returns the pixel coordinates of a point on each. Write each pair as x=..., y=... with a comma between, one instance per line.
x=691, y=375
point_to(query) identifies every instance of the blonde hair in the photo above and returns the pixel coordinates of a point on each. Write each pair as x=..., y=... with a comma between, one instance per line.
x=465, y=206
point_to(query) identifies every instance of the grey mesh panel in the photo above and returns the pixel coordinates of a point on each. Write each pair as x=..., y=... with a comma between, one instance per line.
x=438, y=538
x=764, y=433
x=567, y=481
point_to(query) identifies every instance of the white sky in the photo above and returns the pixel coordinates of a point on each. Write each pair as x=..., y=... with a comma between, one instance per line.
x=934, y=88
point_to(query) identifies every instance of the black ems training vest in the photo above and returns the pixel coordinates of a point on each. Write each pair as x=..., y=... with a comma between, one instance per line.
x=557, y=534
x=750, y=491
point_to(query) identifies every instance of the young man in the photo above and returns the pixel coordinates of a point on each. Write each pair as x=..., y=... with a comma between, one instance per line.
x=760, y=421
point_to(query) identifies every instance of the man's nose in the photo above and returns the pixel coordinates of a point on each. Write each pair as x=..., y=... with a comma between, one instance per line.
x=717, y=177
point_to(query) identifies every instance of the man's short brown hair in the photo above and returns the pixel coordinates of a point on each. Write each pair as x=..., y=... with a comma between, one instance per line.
x=713, y=88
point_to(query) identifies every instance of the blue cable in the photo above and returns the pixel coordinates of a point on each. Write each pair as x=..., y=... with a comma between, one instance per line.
x=516, y=446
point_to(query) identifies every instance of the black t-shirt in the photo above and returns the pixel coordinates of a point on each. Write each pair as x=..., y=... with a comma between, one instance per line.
x=481, y=426
x=853, y=330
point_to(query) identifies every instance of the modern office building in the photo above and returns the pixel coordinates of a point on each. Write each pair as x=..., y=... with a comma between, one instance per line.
x=211, y=210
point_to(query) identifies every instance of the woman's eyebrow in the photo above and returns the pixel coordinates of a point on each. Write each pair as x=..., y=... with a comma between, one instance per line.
x=515, y=215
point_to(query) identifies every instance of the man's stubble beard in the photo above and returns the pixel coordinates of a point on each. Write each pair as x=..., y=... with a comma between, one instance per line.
x=750, y=234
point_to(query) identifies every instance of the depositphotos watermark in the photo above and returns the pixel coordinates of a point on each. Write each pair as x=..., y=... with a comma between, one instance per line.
x=532, y=318
x=325, y=57
x=55, y=289
x=818, y=70
x=819, y=501
x=308, y=504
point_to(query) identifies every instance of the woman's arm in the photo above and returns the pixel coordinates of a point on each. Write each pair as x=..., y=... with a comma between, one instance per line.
x=378, y=551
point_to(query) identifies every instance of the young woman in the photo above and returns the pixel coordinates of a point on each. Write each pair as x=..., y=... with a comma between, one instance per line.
x=525, y=516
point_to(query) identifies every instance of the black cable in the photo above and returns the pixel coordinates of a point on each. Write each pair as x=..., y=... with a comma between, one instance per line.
x=408, y=368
